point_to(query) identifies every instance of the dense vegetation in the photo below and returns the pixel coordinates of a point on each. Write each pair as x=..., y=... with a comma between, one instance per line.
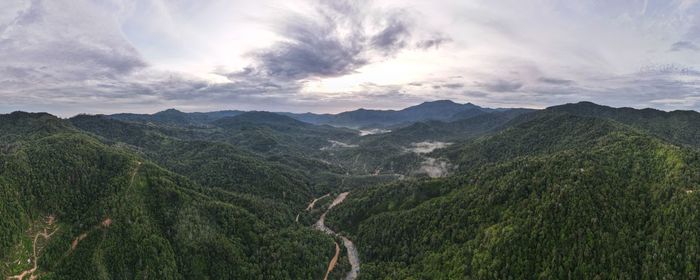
x=134, y=219
x=680, y=127
x=558, y=196
x=572, y=191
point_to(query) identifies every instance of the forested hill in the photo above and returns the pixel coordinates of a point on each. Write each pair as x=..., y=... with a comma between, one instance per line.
x=95, y=210
x=557, y=196
x=175, y=117
x=577, y=191
x=681, y=127
x=440, y=110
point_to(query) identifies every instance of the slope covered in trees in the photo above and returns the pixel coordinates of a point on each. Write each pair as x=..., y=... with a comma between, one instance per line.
x=572, y=191
x=118, y=215
x=681, y=127
x=558, y=196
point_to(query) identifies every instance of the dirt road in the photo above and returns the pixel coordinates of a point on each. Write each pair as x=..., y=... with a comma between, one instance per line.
x=35, y=258
x=333, y=262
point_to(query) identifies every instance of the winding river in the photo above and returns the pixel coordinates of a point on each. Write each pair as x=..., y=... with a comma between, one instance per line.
x=353, y=256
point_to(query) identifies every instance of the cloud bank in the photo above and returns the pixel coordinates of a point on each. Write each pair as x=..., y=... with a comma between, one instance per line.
x=106, y=56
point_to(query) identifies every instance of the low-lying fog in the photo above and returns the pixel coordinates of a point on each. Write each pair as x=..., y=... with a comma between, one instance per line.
x=427, y=146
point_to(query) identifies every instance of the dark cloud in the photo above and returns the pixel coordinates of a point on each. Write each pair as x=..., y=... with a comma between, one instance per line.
x=684, y=46
x=501, y=86
x=394, y=35
x=555, y=81
x=434, y=42
x=453, y=85
x=332, y=42
x=667, y=69
x=314, y=47
x=440, y=85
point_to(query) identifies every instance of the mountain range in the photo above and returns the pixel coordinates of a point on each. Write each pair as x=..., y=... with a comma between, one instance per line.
x=441, y=110
x=439, y=190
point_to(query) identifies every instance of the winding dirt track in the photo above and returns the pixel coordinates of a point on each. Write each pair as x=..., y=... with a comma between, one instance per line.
x=74, y=244
x=313, y=203
x=353, y=256
x=334, y=261
x=35, y=259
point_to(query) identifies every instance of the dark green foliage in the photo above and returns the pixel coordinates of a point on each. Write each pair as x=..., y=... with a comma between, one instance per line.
x=387, y=153
x=557, y=197
x=172, y=117
x=457, y=130
x=211, y=163
x=442, y=110
x=680, y=127
x=571, y=192
x=274, y=133
x=130, y=218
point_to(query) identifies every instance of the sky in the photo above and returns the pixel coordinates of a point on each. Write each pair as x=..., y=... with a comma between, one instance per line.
x=107, y=56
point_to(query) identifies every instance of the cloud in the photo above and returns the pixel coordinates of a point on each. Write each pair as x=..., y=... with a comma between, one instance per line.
x=453, y=85
x=335, y=40
x=394, y=35
x=448, y=85
x=684, y=46
x=313, y=48
x=501, y=85
x=77, y=55
x=667, y=69
x=47, y=44
x=435, y=42
x=555, y=81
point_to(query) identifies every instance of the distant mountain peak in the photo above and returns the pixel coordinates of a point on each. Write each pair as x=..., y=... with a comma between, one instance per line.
x=169, y=111
x=441, y=101
x=28, y=115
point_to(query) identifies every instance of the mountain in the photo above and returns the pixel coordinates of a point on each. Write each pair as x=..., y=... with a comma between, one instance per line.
x=442, y=110
x=78, y=207
x=271, y=132
x=175, y=117
x=572, y=191
x=262, y=118
x=465, y=127
x=208, y=162
x=681, y=127
x=556, y=196
x=390, y=153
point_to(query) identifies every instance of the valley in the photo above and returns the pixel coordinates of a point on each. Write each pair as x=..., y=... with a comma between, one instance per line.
x=455, y=192
x=349, y=139
x=352, y=254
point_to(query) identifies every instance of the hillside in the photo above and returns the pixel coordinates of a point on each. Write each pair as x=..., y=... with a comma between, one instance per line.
x=109, y=213
x=559, y=196
x=681, y=127
x=440, y=110
x=572, y=191
x=177, y=118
